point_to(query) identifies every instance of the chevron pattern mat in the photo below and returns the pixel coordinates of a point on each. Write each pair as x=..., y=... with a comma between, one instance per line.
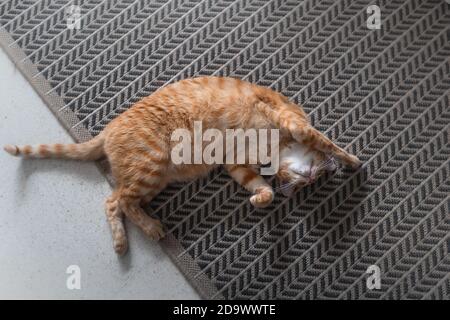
x=381, y=93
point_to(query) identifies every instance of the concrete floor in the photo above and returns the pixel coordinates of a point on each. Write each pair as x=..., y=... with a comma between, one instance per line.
x=51, y=217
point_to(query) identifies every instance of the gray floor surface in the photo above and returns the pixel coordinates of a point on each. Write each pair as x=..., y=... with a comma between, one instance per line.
x=51, y=217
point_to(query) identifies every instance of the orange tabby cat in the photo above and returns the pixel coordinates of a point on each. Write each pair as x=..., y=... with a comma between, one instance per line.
x=138, y=145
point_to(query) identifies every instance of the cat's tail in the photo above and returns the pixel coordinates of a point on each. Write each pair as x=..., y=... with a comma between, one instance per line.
x=90, y=150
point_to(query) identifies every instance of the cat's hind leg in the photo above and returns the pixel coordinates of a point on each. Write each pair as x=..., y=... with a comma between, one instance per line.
x=130, y=202
x=139, y=167
x=247, y=177
x=115, y=219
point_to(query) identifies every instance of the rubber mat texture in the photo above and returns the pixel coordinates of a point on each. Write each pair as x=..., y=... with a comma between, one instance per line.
x=382, y=94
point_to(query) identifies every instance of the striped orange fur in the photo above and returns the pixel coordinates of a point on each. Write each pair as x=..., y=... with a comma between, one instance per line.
x=137, y=145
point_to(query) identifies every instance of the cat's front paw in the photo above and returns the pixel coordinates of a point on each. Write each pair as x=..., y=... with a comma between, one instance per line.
x=262, y=198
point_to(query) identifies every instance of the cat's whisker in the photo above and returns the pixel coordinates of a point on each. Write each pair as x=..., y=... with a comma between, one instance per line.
x=287, y=185
x=325, y=163
x=284, y=186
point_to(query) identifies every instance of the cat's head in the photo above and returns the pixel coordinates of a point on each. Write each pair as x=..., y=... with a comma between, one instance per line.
x=300, y=166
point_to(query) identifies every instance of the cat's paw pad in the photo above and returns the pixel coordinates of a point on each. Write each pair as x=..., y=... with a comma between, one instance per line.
x=155, y=230
x=262, y=198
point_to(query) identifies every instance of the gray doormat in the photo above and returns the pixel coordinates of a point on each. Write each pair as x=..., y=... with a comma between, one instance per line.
x=383, y=94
